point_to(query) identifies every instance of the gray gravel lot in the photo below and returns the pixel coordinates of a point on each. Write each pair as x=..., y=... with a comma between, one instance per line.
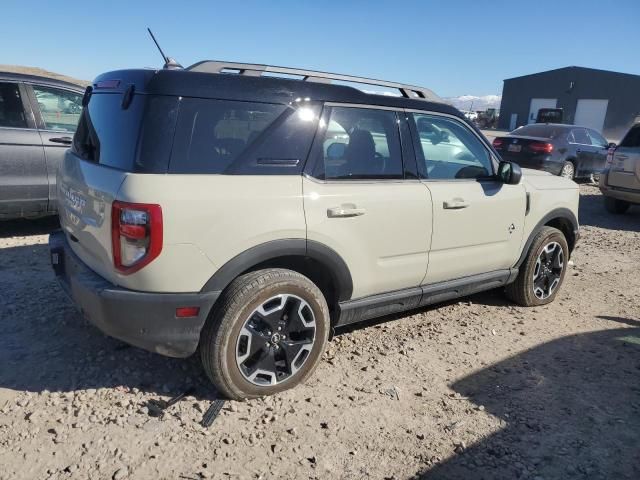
x=472, y=389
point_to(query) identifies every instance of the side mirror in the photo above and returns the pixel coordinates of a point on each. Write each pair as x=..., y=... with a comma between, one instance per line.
x=611, y=145
x=509, y=173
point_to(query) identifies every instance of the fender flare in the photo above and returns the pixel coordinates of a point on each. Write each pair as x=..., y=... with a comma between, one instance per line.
x=291, y=247
x=558, y=213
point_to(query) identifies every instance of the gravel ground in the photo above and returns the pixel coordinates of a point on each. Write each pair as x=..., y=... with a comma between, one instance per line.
x=471, y=389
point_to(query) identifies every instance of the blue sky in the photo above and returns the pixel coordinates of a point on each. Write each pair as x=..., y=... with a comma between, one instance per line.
x=454, y=47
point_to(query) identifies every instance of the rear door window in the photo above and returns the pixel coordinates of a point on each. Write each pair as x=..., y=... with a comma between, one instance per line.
x=59, y=109
x=228, y=137
x=11, y=108
x=360, y=144
x=580, y=136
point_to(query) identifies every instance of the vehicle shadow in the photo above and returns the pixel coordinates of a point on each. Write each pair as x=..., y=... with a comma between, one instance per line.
x=47, y=345
x=571, y=409
x=592, y=213
x=25, y=227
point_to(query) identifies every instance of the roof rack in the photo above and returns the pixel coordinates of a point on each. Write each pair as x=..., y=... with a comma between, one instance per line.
x=256, y=70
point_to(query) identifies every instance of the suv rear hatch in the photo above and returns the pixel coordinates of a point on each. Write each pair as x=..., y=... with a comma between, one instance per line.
x=110, y=143
x=624, y=172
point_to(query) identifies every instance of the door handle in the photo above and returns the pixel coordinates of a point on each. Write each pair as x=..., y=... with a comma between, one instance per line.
x=63, y=140
x=578, y=150
x=345, y=211
x=455, y=204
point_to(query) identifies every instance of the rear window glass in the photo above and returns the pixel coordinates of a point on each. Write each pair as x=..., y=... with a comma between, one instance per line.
x=228, y=137
x=542, y=131
x=136, y=139
x=632, y=139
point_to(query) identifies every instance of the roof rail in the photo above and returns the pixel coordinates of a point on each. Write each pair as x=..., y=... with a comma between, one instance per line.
x=256, y=70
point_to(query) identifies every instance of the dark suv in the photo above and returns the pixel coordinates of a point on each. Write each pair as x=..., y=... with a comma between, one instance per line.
x=38, y=117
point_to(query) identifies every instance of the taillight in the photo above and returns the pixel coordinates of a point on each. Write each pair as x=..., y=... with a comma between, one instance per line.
x=610, y=153
x=136, y=235
x=498, y=143
x=541, y=147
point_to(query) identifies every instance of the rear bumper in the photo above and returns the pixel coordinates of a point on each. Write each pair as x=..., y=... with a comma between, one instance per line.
x=619, y=193
x=146, y=320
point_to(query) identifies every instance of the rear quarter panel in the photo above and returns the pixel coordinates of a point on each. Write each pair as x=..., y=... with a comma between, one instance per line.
x=209, y=219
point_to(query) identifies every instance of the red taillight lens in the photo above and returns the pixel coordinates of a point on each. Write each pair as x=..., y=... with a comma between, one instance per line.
x=498, y=143
x=187, y=312
x=541, y=147
x=136, y=235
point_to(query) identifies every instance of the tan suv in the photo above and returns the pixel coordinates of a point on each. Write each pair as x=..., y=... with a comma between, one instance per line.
x=620, y=181
x=224, y=208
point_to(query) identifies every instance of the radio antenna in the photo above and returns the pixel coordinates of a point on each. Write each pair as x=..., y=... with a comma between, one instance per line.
x=169, y=63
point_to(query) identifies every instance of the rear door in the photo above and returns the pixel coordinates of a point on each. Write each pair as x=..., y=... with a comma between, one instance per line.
x=23, y=174
x=57, y=112
x=477, y=220
x=625, y=167
x=363, y=200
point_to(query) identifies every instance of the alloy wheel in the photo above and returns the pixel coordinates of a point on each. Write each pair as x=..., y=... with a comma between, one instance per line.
x=276, y=340
x=568, y=171
x=548, y=270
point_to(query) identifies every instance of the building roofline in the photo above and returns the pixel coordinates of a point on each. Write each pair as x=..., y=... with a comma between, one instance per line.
x=573, y=67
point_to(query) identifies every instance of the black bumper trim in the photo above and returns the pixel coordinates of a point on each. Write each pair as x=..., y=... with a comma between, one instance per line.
x=145, y=320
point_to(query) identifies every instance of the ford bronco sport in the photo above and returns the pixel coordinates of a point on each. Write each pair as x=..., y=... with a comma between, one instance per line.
x=224, y=208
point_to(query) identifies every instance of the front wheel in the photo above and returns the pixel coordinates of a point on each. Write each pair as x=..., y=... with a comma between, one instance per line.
x=543, y=271
x=568, y=170
x=266, y=334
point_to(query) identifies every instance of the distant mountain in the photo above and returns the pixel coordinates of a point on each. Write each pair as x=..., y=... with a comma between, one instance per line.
x=473, y=102
x=42, y=72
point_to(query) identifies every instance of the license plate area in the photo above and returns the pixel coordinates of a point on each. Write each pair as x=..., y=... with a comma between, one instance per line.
x=514, y=148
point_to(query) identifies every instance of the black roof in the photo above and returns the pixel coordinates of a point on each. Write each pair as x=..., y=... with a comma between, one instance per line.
x=574, y=68
x=41, y=80
x=252, y=88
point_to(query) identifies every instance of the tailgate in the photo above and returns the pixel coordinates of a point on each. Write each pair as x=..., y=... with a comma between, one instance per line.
x=625, y=169
x=86, y=191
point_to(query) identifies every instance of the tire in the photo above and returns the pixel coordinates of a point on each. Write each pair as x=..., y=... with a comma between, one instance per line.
x=568, y=170
x=266, y=334
x=526, y=290
x=615, y=206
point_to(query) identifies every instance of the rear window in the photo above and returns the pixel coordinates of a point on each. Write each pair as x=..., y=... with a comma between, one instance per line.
x=135, y=139
x=228, y=137
x=632, y=138
x=542, y=131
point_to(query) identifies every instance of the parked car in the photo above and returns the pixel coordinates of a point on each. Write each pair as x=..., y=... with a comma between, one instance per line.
x=620, y=181
x=566, y=150
x=471, y=115
x=38, y=117
x=251, y=215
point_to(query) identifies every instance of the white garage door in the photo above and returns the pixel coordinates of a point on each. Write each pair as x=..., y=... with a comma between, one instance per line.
x=590, y=113
x=537, y=104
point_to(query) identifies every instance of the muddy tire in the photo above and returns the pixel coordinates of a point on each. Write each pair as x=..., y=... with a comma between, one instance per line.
x=266, y=334
x=542, y=273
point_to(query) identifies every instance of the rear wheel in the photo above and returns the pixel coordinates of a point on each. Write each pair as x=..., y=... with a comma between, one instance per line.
x=542, y=272
x=267, y=334
x=613, y=205
x=568, y=170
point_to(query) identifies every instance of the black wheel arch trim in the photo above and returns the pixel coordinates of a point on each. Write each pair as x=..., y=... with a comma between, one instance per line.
x=558, y=213
x=291, y=247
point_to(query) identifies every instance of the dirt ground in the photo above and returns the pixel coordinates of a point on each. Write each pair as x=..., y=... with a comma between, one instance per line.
x=475, y=389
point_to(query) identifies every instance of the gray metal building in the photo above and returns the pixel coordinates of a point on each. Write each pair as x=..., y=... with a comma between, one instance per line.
x=606, y=101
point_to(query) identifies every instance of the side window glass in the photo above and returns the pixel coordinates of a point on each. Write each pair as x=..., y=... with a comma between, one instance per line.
x=360, y=143
x=446, y=149
x=597, y=140
x=60, y=109
x=632, y=139
x=11, y=110
x=580, y=136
